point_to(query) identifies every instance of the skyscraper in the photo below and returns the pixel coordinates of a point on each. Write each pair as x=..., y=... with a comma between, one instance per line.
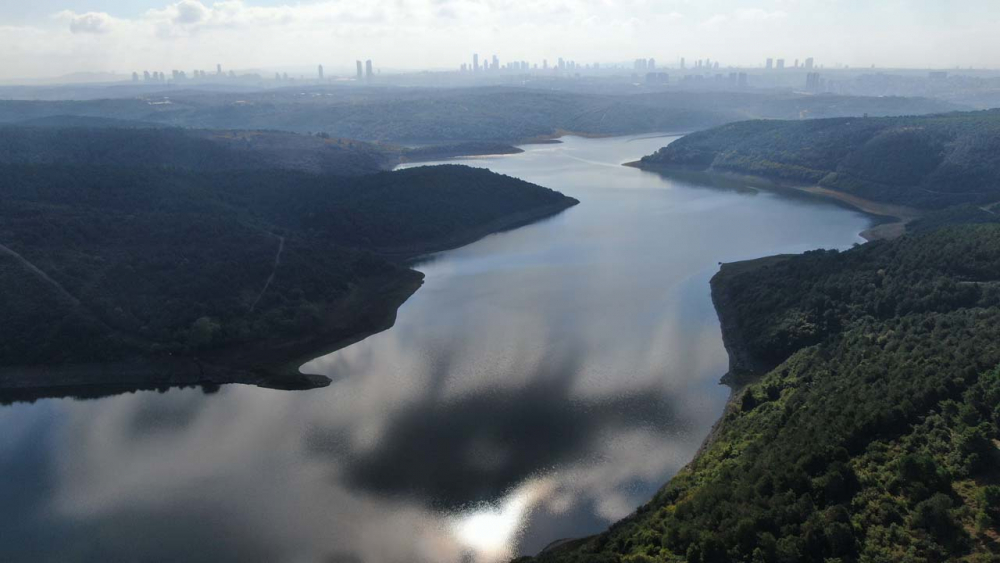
x=320, y=69
x=682, y=63
x=360, y=74
x=651, y=64
x=770, y=63
x=135, y=77
x=368, y=69
x=218, y=69
x=813, y=83
x=781, y=64
x=475, y=62
x=809, y=63
x=496, y=63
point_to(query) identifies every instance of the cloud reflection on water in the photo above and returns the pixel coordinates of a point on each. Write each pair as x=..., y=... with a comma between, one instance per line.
x=541, y=384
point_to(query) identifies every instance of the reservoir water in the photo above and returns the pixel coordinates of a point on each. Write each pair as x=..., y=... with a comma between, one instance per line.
x=542, y=383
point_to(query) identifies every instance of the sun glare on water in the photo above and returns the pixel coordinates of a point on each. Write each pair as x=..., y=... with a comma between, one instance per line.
x=490, y=531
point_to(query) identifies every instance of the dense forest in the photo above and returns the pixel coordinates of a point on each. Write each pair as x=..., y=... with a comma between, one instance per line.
x=864, y=422
x=195, y=149
x=439, y=115
x=928, y=162
x=111, y=262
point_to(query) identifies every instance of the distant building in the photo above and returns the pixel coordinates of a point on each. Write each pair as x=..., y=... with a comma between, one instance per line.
x=813, y=82
x=368, y=69
x=320, y=72
x=781, y=64
x=360, y=74
x=475, y=62
x=651, y=64
x=657, y=78
x=218, y=69
x=496, y=63
x=809, y=63
x=135, y=77
x=682, y=62
x=770, y=63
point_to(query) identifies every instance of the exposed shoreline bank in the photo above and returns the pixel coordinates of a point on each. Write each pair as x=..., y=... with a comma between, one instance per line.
x=890, y=220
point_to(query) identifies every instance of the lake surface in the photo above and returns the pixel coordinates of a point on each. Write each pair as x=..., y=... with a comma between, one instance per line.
x=541, y=384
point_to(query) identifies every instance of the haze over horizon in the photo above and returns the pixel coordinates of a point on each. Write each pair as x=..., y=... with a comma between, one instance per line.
x=49, y=38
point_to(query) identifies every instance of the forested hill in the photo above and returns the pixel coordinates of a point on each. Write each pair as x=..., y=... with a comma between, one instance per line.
x=245, y=271
x=437, y=115
x=929, y=162
x=873, y=433
x=195, y=149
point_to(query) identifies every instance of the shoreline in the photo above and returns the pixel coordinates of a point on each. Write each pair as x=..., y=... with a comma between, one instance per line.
x=890, y=220
x=273, y=363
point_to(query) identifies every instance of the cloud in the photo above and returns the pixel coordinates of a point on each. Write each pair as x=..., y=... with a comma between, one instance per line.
x=189, y=12
x=90, y=22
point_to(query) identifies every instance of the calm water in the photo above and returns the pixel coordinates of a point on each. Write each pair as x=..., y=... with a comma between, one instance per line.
x=542, y=383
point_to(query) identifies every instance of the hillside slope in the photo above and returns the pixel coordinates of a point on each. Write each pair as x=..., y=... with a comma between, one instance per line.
x=193, y=149
x=243, y=270
x=871, y=434
x=927, y=162
x=508, y=115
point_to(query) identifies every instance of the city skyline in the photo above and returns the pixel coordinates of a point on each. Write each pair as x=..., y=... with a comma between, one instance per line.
x=49, y=38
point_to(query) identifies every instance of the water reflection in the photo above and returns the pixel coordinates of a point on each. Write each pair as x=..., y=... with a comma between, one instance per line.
x=542, y=383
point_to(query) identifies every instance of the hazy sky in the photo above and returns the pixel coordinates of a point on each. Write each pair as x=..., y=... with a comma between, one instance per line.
x=41, y=38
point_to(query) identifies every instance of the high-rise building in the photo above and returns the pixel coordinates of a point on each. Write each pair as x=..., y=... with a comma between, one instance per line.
x=682, y=62
x=651, y=64
x=218, y=69
x=562, y=64
x=809, y=63
x=770, y=63
x=360, y=74
x=368, y=69
x=496, y=63
x=781, y=64
x=796, y=63
x=813, y=82
x=135, y=77
x=475, y=62
x=320, y=69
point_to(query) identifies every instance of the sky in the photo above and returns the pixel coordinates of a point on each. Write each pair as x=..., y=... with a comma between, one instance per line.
x=47, y=38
